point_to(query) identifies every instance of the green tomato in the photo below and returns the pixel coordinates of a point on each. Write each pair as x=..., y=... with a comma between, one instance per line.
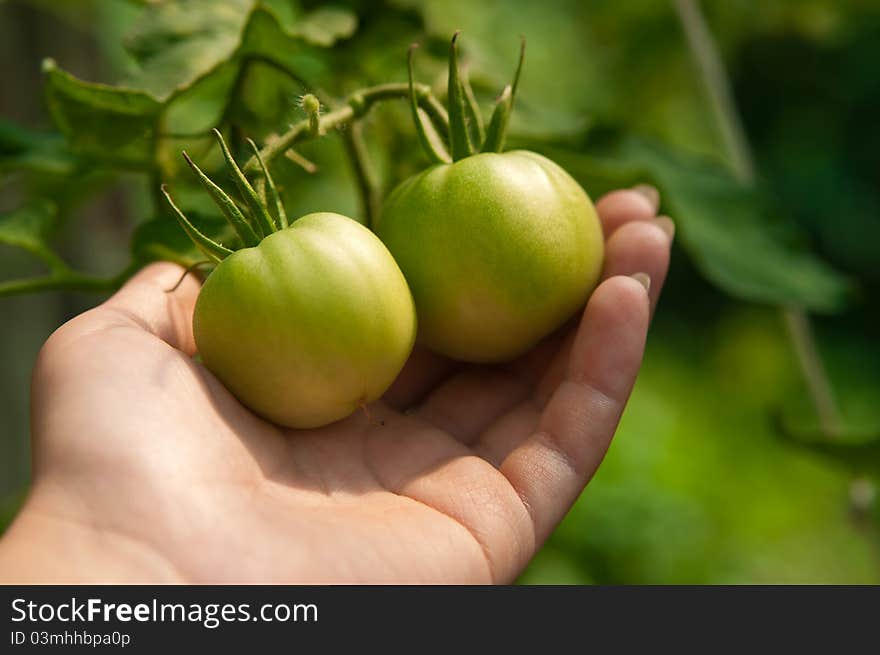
x=310, y=324
x=498, y=249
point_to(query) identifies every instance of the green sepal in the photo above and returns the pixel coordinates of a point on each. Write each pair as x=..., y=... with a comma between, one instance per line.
x=213, y=250
x=519, y=65
x=273, y=198
x=258, y=210
x=459, y=108
x=497, y=132
x=477, y=130
x=227, y=206
x=431, y=142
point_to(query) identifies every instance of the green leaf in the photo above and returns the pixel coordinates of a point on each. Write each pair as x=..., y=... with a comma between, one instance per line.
x=177, y=43
x=189, y=53
x=101, y=121
x=324, y=26
x=737, y=239
x=39, y=152
x=734, y=234
x=29, y=227
x=265, y=38
x=180, y=42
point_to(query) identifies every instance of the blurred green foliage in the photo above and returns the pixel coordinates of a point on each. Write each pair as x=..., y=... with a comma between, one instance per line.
x=718, y=473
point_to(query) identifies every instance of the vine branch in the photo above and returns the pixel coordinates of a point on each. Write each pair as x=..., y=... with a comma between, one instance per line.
x=365, y=172
x=69, y=281
x=717, y=86
x=356, y=106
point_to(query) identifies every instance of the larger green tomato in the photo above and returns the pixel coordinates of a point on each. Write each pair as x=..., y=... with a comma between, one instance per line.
x=498, y=249
x=310, y=324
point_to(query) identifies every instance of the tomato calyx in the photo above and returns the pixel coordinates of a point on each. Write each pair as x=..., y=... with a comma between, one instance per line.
x=467, y=133
x=264, y=210
x=447, y=134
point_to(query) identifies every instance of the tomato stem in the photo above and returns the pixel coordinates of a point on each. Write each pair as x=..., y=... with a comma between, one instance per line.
x=305, y=164
x=189, y=269
x=69, y=281
x=374, y=422
x=312, y=106
x=356, y=107
x=367, y=179
x=717, y=86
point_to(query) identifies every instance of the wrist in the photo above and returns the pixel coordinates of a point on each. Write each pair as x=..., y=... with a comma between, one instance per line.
x=46, y=545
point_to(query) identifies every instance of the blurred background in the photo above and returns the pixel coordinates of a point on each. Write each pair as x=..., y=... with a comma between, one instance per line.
x=750, y=451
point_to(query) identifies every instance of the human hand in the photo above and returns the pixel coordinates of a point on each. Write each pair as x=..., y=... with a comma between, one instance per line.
x=147, y=470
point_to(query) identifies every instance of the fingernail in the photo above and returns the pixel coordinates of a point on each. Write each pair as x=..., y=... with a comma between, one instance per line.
x=650, y=193
x=667, y=225
x=642, y=278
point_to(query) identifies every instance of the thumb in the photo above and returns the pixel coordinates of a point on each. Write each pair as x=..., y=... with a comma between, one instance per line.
x=147, y=302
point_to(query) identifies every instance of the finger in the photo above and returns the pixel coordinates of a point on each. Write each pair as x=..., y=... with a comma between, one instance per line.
x=619, y=207
x=507, y=432
x=469, y=402
x=637, y=247
x=550, y=468
x=410, y=459
x=641, y=247
x=424, y=370
x=146, y=302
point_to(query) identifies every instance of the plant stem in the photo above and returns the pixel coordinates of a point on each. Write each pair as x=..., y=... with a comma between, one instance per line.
x=356, y=107
x=67, y=282
x=717, y=86
x=801, y=333
x=367, y=179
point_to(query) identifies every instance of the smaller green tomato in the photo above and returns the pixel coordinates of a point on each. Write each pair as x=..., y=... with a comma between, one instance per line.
x=310, y=324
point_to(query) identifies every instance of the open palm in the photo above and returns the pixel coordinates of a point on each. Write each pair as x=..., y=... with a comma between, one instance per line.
x=149, y=470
